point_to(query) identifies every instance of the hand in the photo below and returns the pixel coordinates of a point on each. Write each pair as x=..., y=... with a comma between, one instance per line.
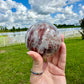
x=53, y=69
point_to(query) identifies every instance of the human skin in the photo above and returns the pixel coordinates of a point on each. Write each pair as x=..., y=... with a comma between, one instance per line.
x=53, y=69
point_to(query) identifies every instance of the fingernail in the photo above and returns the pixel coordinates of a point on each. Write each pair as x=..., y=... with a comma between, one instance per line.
x=28, y=53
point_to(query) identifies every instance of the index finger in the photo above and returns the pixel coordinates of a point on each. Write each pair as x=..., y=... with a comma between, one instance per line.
x=62, y=37
x=62, y=57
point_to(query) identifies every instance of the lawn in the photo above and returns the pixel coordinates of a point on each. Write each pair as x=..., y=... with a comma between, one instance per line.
x=15, y=64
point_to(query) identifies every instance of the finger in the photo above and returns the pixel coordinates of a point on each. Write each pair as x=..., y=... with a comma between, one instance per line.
x=37, y=62
x=55, y=58
x=62, y=37
x=62, y=57
x=55, y=70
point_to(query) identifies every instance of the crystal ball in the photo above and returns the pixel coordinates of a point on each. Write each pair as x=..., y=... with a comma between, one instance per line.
x=43, y=38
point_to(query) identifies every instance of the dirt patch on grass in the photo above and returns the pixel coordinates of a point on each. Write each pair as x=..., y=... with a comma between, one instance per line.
x=2, y=51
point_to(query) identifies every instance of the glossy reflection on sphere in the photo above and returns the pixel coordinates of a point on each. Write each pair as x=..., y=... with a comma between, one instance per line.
x=43, y=38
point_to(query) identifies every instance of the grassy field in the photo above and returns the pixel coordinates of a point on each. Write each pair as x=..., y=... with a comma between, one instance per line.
x=15, y=64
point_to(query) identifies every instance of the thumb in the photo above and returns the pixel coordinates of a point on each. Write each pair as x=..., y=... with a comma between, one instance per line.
x=37, y=61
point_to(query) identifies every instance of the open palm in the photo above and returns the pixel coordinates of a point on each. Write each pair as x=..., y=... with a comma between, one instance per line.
x=53, y=69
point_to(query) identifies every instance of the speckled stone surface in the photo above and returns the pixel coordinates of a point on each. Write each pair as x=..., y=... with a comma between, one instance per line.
x=43, y=38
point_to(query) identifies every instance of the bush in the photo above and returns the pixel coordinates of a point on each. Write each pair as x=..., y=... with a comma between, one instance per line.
x=82, y=27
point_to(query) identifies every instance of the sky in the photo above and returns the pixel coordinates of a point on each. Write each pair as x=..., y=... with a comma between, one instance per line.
x=24, y=13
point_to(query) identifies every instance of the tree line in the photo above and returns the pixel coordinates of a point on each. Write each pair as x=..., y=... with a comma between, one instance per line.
x=13, y=29
x=66, y=26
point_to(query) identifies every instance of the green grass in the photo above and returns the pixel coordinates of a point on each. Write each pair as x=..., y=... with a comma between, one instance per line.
x=75, y=61
x=15, y=64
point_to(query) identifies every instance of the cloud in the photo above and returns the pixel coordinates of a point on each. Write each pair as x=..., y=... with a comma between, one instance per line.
x=9, y=17
x=68, y=12
x=80, y=5
x=72, y=1
x=81, y=12
x=47, y=6
x=67, y=16
x=40, y=11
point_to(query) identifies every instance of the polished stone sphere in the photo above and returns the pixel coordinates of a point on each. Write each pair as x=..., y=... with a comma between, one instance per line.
x=43, y=38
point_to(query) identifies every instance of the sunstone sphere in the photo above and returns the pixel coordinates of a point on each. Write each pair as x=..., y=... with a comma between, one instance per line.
x=43, y=38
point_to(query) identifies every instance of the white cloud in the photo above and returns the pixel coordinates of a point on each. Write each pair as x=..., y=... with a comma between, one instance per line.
x=80, y=5
x=67, y=16
x=40, y=11
x=68, y=9
x=60, y=16
x=72, y=1
x=68, y=12
x=47, y=6
x=81, y=12
x=7, y=16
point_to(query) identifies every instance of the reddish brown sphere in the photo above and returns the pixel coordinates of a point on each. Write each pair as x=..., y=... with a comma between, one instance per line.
x=43, y=38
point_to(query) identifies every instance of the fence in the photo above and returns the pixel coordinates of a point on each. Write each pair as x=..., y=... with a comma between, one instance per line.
x=18, y=39
x=74, y=33
x=6, y=41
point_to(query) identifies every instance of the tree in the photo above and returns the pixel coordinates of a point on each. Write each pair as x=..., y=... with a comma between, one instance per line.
x=13, y=29
x=82, y=27
x=55, y=25
x=5, y=29
x=18, y=28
